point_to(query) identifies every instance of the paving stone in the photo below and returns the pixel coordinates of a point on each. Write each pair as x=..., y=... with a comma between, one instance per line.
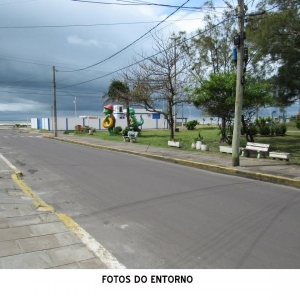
x=5, y=200
x=9, y=248
x=33, y=260
x=9, y=213
x=20, y=200
x=93, y=263
x=48, y=228
x=4, y=223
x=24, y=220
x=38, y=243
x=48, y=217
x=8, y=234
x=21, y=207
x=10, y=199
x=27, y=210
x=68, y=266
x=67, y=238
x=69, y=254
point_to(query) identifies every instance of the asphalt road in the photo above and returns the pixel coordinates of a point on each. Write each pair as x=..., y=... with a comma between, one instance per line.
x=154, y=214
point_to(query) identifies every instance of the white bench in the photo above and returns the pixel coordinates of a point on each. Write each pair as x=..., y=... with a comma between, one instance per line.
x=261, y=149
x=131, y=136
x=280, y=155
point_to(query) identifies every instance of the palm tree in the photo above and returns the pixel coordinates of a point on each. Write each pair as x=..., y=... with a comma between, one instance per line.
x=119, y=92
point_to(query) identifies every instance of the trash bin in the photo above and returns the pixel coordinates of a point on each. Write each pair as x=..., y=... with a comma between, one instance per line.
x=78, y=127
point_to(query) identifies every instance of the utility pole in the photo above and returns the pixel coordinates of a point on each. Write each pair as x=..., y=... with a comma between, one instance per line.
x=52, y=119
x=175, y=112
x=54, y=103
x=239, y=42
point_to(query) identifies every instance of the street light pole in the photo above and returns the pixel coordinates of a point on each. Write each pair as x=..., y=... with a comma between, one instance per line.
x=75, y=107
x=239, y=88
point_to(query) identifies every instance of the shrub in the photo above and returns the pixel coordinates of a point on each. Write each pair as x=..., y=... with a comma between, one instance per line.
x=191, y=124
x=264, y=130
x=66, y=132
x=118, y=130
x=253, y=130
x=125, y=131
x=282, y=129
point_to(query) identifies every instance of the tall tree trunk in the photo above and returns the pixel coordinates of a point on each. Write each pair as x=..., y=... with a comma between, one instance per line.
x=127, y=115
x=171, y=121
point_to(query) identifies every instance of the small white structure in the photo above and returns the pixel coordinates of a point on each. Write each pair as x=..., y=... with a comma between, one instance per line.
x=118, y=112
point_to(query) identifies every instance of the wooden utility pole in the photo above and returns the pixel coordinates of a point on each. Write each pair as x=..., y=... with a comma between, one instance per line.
x=54, y=103
x=239, y=87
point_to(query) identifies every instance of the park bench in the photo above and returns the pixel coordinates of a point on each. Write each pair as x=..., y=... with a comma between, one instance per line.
x=280, y=155
x=260, y=149
x=131, y=136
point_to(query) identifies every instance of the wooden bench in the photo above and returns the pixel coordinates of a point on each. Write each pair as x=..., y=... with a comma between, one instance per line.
x=261, y=149
x=131, y=136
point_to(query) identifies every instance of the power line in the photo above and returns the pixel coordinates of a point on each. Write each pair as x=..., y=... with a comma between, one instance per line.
x=128, y=66
x=118, y=52
x=134, y=4
x=144, y=59
x=90, y=25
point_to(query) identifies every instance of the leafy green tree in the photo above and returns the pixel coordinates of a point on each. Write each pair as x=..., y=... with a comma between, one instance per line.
x=275, y=36
x=216, y=97
x=211, y=51
x=119, y=92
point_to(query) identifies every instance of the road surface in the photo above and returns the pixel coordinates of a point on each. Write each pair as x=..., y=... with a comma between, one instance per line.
x=154, y=214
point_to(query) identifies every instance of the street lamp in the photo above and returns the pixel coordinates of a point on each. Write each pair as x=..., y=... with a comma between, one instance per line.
x=75, y=107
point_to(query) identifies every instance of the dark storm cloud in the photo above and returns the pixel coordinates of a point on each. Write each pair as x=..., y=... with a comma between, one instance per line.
x=28, y=54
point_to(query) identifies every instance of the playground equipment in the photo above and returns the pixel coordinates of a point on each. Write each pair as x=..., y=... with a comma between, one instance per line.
x=109, y=120
x=133, y=120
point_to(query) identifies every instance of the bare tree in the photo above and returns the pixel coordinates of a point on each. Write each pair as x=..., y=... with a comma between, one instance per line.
x=158, y=81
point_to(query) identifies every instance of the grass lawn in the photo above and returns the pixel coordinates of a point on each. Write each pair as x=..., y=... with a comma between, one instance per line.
x=211, y=135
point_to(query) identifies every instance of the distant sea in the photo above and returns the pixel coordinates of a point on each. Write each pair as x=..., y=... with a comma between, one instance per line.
x=13, y=122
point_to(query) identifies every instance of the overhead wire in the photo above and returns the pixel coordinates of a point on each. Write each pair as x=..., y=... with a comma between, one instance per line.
x=89, y=25
x=116, y=53
x=130, y=65
x=142, y=60
x=135, y=4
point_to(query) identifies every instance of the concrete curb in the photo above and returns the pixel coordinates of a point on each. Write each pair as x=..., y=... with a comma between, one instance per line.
x=37, y=201
x=218, y=169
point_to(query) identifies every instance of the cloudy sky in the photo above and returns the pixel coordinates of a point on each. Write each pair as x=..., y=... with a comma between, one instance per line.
x=36, y=35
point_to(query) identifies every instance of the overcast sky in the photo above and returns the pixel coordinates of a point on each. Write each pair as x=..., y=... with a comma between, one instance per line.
x=38, y=34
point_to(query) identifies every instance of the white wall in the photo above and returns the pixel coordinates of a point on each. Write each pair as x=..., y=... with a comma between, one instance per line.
x=70, y=123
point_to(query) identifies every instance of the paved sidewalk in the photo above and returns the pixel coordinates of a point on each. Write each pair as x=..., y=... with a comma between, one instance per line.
x=32, y=238
x=264, y=169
